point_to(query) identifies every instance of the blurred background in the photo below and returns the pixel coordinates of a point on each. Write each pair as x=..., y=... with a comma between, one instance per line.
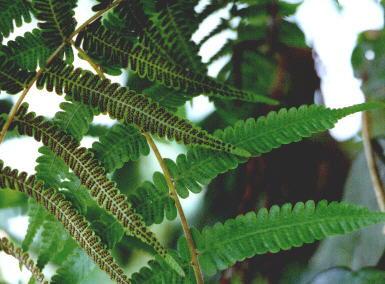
x=300, y=52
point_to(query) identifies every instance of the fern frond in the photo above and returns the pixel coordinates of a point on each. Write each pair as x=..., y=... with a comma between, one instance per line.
x=52, y=240
x=75, y=224
x=121, y=143
x=174, y=26
x=37, y=215
x=91, y=174
x=127, y=106
x=13, y=11
x=258, y=136
x=56, y=20
x=9, y=248
x=74, y=118
x=28, y=51
x=153, y=202
x=147, y=63
x=221, y=245
x=12, y=78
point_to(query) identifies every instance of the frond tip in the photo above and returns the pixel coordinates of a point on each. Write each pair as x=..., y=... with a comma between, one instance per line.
x=9, y=248
x=280, y=228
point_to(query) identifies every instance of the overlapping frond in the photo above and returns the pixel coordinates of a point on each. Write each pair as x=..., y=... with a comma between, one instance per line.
x=278, y=229
x=174, y=25
x=13, y=79
x=153, y=202
x=150, y=64
x=75, y=224
x=9, y=248
x=121, y=143
x=28, y=51
x=127, y=106
x=13, y=12
x=56, y=21
x=258, y=136
x=89, y=171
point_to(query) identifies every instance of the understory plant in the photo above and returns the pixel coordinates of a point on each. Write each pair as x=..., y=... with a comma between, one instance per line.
x=89, y=206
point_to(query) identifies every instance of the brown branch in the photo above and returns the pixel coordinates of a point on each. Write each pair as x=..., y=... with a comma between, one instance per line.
x=60, y=48
x=378, y=186
x=174, y=195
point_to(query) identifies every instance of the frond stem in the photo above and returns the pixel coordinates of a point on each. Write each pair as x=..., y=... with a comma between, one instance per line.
x=85, y=56
x=174, y=195
x=14, y=109
x=378, y=187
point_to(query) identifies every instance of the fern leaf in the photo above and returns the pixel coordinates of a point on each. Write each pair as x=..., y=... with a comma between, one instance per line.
x=91, y=175
x=153, y=202
x=75, y=269
x=221, y=245
x=75, y=224
x=52, y=240
x=121, y=143
x=128, y=106
x=199, y=166
x=147, y=63
x=74, y=118
x=23, y=257
x=12, y=78
x=56, y=20
x=175, y=24
x=13, y=11
x=37, y=214
x=28, y=51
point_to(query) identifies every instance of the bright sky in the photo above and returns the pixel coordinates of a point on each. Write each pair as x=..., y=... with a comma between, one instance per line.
x=332, y=33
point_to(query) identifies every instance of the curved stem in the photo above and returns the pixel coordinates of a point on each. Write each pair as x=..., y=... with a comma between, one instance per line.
x=85, y=56
x=14, y=109
x=378, y=187
x=174, y=195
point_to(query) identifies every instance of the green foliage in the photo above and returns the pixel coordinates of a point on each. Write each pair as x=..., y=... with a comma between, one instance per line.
x=23, y=257
x=127, y=106
x=82, y=202
x=198, y=167
x=277, y=229
x=13, y=12
x=56, y=21
x=75, y=223
x=121, y=143
x=28, y=51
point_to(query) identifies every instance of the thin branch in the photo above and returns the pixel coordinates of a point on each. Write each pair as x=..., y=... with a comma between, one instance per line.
x=85, y=56
x=174, y=195
x=378, y=186
x=14, y=109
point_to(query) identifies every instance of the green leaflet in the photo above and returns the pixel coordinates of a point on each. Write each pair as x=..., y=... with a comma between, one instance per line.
x=56, y=21
x=147, y=63
x=278, y=229
x=128, y=106
x=13, y=11
x=174, y=25
x=91, y=174
x=23, y=257
x=37, y=215
x=153, y=202
x=119, y=145
x=52, y=240
x=28, y=51
x=258, y=136
x=12, y=78
x=74, y=119
x=75, y=224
